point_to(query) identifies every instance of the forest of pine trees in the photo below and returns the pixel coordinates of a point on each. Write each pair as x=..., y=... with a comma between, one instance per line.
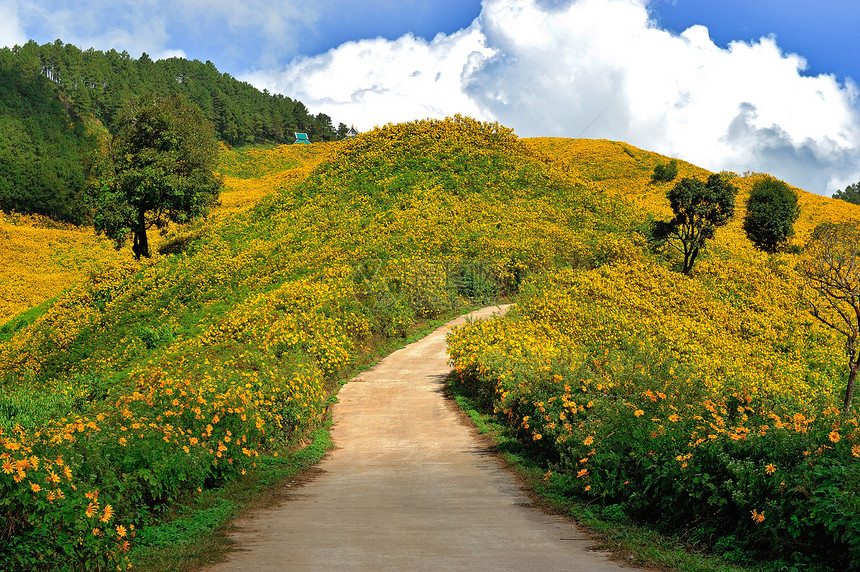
x=51, y=96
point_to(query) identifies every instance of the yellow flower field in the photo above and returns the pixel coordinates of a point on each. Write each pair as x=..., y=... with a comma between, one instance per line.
x=148, y=380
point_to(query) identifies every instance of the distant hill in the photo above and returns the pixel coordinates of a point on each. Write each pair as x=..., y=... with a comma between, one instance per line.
x=54, y=97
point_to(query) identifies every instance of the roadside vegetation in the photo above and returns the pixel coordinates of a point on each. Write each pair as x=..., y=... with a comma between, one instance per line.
x=708, y=406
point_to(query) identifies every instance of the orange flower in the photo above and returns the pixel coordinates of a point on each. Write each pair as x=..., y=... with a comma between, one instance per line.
x=91, y=509
x=770, y=469
x=757, y=516
x=581, y=473
x=8, y=467
x=108, y=513
x=588, y=440
x=36, y=488
x=834, y=436
x=120, y=530
x=638, y=413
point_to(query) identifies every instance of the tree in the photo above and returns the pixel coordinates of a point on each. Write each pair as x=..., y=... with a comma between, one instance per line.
x=851, y=194
x=158, y=169
x=771, y=211
x=831, y=272
x=665, y=172
x=700, y=208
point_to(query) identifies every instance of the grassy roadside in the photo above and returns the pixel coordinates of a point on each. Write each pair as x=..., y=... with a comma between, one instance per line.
x=613, y=532
x=195, y=533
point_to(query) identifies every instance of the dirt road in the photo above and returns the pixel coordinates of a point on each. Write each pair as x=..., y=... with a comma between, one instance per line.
x=408, y=487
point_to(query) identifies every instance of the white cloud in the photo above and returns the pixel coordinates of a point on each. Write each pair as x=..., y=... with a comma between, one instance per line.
x=599, y=68
x=373, y=82
x=11, y=31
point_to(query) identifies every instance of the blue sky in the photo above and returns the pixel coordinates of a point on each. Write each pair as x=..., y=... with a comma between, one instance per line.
x=825, y=32
x=761, y=85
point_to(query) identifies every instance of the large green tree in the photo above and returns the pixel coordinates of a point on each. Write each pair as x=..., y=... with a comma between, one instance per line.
x=771, y=211
x=700, y=207
x=158, y=169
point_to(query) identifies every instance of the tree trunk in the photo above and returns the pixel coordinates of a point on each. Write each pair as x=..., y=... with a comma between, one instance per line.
x=141, y=243
x=689, y=260
x=849, y=389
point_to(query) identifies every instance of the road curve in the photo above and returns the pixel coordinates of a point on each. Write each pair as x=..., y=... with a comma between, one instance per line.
x=408, y=487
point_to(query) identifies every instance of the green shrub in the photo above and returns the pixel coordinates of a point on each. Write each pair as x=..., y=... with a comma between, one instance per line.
x=665, y=172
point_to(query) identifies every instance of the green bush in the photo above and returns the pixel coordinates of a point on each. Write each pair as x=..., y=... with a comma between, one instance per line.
x=771, y=211
x=665, y=172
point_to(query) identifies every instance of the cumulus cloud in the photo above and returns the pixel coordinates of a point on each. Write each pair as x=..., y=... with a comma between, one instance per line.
x=377, y=81
x=603, y=69
x=11, y=31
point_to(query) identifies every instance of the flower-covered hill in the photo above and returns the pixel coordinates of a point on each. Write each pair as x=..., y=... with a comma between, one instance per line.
x=40, y=258
x=149, y=381
x=707, y=404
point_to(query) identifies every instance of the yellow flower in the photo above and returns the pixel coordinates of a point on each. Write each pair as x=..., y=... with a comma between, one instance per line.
x=120, y=530
x=36, y=488
x=91, y=509
x=581, y=473
x=638, y=413
x=108, y=513
x=834, y=436
x=770, y=469
x=758, y=517
x=588, y=440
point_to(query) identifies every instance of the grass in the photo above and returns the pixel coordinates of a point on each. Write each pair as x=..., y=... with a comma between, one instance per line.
x=24, y=319
x=613, y=532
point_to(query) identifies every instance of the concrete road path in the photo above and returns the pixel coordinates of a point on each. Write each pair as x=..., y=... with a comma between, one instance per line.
x=408, y=487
